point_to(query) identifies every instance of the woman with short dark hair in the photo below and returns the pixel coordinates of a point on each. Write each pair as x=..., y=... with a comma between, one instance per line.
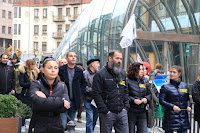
x=139, y=96
x=174, y=96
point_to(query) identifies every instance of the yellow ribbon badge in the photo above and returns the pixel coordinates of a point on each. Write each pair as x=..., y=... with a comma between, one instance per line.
x=122, y=83
x=142, y=86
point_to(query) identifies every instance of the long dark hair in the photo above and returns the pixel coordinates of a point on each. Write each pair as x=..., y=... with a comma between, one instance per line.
x=133, y=70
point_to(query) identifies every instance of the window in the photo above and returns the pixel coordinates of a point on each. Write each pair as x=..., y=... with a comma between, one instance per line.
x=15, y=44
x=36, y=29
x=15, y=12
x=4, y=29
x=67, y=11
x=19, y=29
x=160, y=6
x=75, y=11
x=59, y=11
x=9, y=30
x=15, y=29
x=3, y=13
x=19, y=12
x=45, y=1
x=44, y=46
x=36, y=13
x=18, y=44
x=9, y=14
x=36, y=1
x=44, y=29
x=67, y=27
x=45, y=13
x=35, y=46
x=58, y=43
x=59, y=29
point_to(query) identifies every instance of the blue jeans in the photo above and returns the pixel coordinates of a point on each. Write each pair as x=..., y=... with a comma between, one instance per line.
x=91, y=116
x=118, y=120
x=70, y=112
x=139, y=119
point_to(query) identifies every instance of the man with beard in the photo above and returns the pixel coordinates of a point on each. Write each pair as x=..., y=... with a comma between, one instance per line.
x=90, y=106
x=7, y=79
x=111, y=95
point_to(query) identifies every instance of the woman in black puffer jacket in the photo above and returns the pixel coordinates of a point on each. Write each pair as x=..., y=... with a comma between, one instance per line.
x=139, y=96
x=174, y=96
x=49, y=98
x=196, y=98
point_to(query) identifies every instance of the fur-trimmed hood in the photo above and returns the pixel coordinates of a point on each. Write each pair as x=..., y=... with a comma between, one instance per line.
x=23, y=71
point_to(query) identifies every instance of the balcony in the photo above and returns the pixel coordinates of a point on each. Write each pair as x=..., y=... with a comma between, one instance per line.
x=58, y=19
x=75, y=2
x=58, y=35
x=58, y=2
x=73, y=17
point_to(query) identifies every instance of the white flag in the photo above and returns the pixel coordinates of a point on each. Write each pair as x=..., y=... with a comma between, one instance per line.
x=139, y=59
x=128, y=33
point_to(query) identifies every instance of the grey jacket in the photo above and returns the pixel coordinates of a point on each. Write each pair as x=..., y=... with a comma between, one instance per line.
x=89, y=75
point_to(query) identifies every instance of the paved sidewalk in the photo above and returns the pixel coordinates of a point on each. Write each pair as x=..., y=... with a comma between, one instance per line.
x=80, y=127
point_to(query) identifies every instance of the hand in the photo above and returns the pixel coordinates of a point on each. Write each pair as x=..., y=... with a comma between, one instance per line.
x=144, y=100
x=66, y=104
x=137, y=101
x=40, y=94
x=176, y=108
x=189, y=109
x=13, y=92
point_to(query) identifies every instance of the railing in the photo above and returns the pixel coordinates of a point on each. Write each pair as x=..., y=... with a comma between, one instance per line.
x=74, y=2
x=58, y=18
x=73, y=17
x=57, y=35
x=193, y=124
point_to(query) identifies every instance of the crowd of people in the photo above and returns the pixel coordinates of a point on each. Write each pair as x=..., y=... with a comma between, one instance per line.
x=56, y=91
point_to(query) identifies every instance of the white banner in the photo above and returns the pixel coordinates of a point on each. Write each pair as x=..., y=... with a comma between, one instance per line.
x=128, y=33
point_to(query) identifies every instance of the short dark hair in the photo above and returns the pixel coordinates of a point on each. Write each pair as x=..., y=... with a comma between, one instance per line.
x=133, y=69
x=178, y=68
x=112, y=52
x=69, y=52
x=46, y=60
x=3, y=55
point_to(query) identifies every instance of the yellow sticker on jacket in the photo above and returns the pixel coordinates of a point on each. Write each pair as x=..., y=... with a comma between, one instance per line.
x=142, y=86
x=122, y=83
x=184, y=90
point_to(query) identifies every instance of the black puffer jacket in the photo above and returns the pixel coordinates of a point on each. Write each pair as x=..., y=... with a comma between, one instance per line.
x=196, y=98
x=138, y=90
x=110, y=91
x=175, y=93
x=46, y=111
x=7, y=78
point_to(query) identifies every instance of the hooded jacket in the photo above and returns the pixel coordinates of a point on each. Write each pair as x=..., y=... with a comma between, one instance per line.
x=46, y=111
x=7, y=78
x=196, y=99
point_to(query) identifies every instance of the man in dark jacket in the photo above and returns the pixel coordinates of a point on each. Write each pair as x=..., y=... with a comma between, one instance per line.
x=111, y=95
x=7, y=78
x=73, y=77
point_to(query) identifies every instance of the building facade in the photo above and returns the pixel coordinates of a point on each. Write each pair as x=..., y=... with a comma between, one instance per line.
x=97, y=31
x=40, y=25
x=6, y=30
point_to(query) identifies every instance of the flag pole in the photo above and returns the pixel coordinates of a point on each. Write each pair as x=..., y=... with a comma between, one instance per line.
x=127, y=49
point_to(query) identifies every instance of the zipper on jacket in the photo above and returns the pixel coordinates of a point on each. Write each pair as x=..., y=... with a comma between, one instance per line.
x=6, y=72
x=51, y=89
